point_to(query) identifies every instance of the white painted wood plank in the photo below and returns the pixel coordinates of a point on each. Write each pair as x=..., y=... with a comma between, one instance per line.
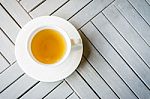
x=29, y=4
x=134, y=19
x=47, y=8
x=8, y=25
x=61, y=92
x=3, y=63
x=73, y=96
x=88, y=12
x=17, y=12
x=19, y=87
x=95, y=81
x=80, y=87
x=10, y=75
x=7, y=48
x=122, y=47
x=114, y=60
x=105, y=70
x=42, y=89
x=128, y=33
x=71, y=8
x=143, y=8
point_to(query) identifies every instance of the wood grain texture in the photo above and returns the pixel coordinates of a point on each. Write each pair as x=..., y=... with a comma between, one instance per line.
x=143, y=8
x=116, y=58
x=9, y=76
x=89, y=12
x=30, y=4
x=136, y=64
x=61, y=92
x=101, y=66
x=45, y=87
x=73, y=96
x=128, y=33
x=47, y=8
x=9, y=25
x=117, y=41
x=134, y=19
x=94, y=80
x=20, y=86
x=113, y=59
x=80, y=87
x=7, y=48
x=3, y=63
x=17, y=12
x=71, y=8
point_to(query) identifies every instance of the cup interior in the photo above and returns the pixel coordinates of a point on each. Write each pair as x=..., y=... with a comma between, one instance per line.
x=62, y=32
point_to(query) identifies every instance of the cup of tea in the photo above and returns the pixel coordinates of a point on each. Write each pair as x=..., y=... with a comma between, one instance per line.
x=50, y=45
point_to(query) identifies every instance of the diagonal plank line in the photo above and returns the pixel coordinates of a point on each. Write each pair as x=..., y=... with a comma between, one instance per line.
x=111, y=65
x=20, y=27
x=25, y=10
x=123, y=59
x=37, y=5
x=52, y=89
x=59, y=7
x=88, y=84
x=3, y=55
x=10, y=15
x=147, y=2
x=28, y=89
x=101, y=77
x=4, y=58
x=69, y=95
x=127, y=42
x=106, y=61
x=139, y=14
x=96, y=14
x=131, y=25
x=8, y=67
x=77, y=95
x=15, y=61
x=80, y=9
x=72, y=88
x=68, y=19
x=12, y=83
x=7, y=36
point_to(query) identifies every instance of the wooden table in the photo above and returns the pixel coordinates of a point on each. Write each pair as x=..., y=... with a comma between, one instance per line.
x=116, y=59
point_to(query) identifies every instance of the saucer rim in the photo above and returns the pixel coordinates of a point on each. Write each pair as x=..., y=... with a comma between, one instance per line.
x=38, y=77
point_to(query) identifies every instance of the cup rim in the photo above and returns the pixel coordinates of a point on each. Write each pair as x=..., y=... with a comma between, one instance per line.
x=62, y=32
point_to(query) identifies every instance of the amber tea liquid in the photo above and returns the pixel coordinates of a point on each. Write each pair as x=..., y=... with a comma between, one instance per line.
x=48, y=46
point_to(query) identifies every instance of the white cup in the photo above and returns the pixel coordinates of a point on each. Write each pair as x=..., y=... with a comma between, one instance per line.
x=71, y=43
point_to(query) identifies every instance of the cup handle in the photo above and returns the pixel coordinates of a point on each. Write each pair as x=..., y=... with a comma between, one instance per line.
x=76, y=42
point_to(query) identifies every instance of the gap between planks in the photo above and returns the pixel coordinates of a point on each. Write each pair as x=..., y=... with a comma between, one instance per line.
x=123, y=58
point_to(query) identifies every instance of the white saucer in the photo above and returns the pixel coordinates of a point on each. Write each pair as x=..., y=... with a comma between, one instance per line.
x=38, y=71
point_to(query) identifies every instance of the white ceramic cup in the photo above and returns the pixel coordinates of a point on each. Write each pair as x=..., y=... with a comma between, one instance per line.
x=69, y=42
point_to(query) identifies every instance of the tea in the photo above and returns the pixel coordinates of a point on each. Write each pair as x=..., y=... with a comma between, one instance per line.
x=48, y=46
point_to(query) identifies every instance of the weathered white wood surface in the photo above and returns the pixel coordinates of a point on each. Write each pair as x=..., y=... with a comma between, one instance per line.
x=6, y=47
x=45, y=87
x=30, y=5
x=134, y=19
x=122, y=48
x=61, y=92
x=73, y=96
x=47, y=8
x=116, y=58
x=142, y=8
x=3, y=63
